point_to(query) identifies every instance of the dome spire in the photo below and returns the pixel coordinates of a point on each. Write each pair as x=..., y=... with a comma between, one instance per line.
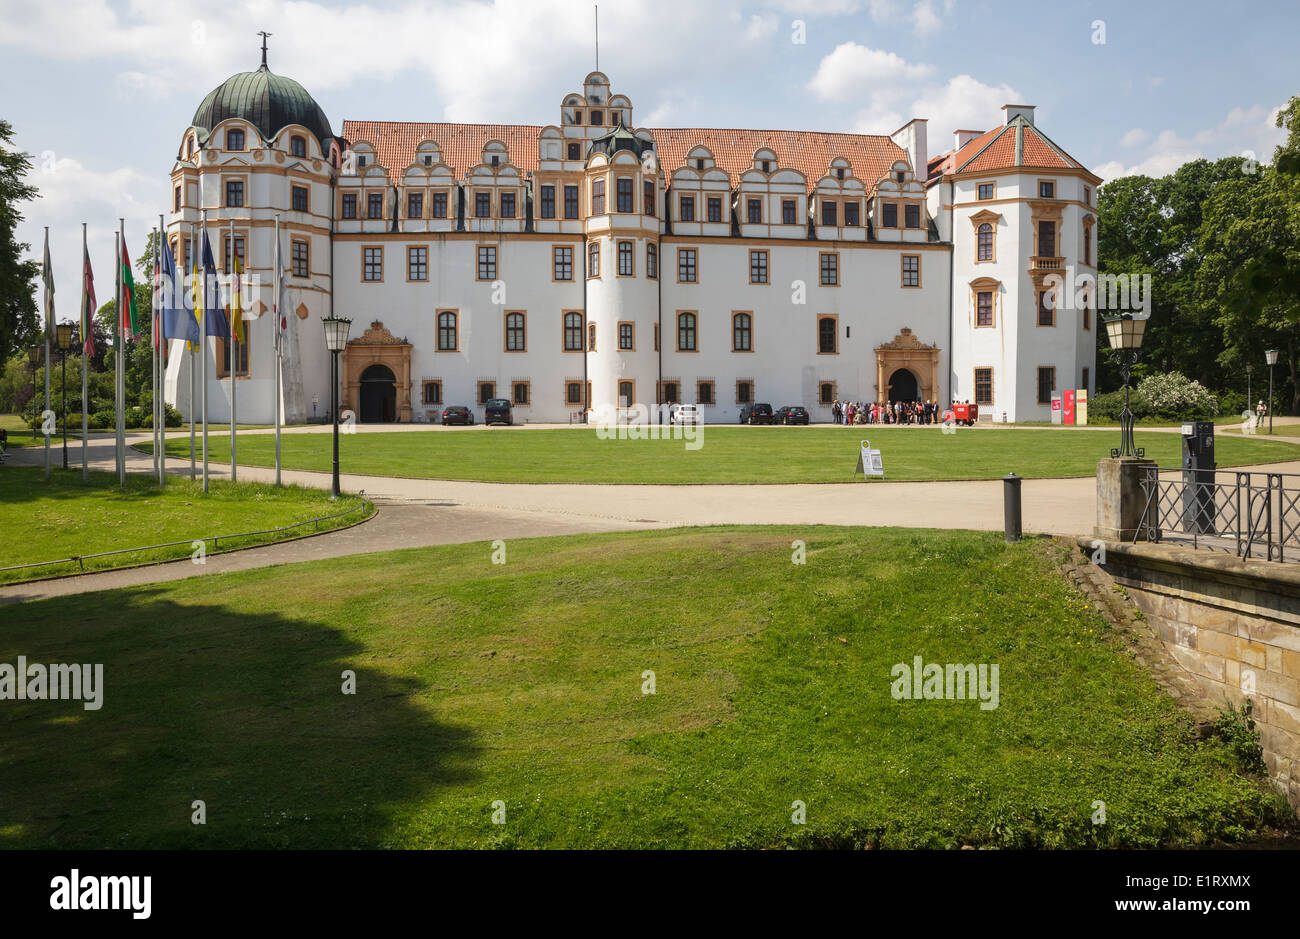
x=264, y=34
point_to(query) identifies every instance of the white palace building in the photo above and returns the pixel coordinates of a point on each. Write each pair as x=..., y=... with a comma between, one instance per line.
x=591, y=262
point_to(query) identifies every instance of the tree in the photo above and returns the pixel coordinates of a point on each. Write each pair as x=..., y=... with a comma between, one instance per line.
x=19, y=322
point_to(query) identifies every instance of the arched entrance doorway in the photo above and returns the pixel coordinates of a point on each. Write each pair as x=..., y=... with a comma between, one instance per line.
x=903, y=386
x=378, y=395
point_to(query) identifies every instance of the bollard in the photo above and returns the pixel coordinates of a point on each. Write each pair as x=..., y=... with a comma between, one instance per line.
x=1011, y=506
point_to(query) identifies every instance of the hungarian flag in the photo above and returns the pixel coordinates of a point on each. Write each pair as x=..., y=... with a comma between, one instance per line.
x=128, y=323
x=88, y=304
x=47, y=275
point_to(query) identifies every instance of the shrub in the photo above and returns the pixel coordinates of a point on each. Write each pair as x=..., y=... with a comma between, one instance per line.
x=104, y=419
x=1173, y=395
x=1106, y=407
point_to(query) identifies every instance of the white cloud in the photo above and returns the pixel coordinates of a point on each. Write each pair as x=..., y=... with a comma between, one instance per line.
x=924, y=19
x=1134, y=138
x=851, y=70
x=761, y=27
x=1243, y=131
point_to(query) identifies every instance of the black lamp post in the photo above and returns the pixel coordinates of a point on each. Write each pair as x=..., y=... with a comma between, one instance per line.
x=1249, y=370
x=1270, y=356
x=63, y=333
x=336, y=339
x=1125, y=335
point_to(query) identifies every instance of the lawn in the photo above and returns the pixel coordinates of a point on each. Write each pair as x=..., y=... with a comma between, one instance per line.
x=522, y=684
x=66, y=517
x=727, y=454
x=20, y=435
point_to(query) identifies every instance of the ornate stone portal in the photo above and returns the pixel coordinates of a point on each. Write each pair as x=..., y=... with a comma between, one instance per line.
x=377, y=346
x=907, y=352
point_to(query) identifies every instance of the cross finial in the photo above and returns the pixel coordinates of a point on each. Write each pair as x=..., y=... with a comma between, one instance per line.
x=264, y=34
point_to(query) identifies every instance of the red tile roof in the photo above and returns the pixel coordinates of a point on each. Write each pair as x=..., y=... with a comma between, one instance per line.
x=996, y=149
x=810, y=152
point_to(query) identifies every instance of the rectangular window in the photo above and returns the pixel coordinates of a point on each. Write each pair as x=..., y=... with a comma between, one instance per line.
x=575, y=150
x=593, y=259
x=570, y=201
x=562, y=258
x=591, y=337
x=1046, y=189
x=688, y=208
x=415, y=205
x=985, y=191
x=912, y=215
x=234, y=140
x=826, y=392
x=984, y=308
x=830, y=269
x=573, y=392
x=789, y=212
x=671, y=392
x=626, y=336
x=851, y=216
x=829, y=213
x=754, y=211
x=626, y=262
x=597, y=197
x=1047, y=239
x=482, y=205
x=649, y=198
x=519, y=392
x=439, y=205
x=656, y=337
x=432, y=392
x=301, y=264
x=704, y=392
x=487, y=262
x=349, y=205
x=984, y=386
x=372, y=263
x=487, y=390
x=176, y=199
x=758, y=267
x=546, y=207
x=234, y=193
x=715, y=208
x=507, y=205
x=417, y=263
x=1046, y=384
x=651, y=261
x=1084, y=384
x=375, y=205
x=1046, y=310
x=223, y=359
x=239, y=250
x=911, y=270
x=1087, y=318
x=889, y=215
x=686, y=270
x=623, y=188
x=744, y=392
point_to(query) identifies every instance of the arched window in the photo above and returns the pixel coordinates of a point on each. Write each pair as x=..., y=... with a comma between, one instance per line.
x=298, y=146
x=686, y=332
x=514, y=332
x=1087, y=246
x=447, y=331
x=826, y=330
x=743, y=333
x=572, y=332
x=985, y=249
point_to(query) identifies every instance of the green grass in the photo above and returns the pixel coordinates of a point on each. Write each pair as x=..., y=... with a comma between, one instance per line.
x=728, y=454
x=20, y=435
x=523, y=683
x=66, y=517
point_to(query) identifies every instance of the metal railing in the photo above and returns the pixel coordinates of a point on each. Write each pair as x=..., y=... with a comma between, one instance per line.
x=1250, y=514
x=79, y=559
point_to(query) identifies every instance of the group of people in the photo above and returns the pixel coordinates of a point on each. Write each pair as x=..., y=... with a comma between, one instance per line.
x=893, y=412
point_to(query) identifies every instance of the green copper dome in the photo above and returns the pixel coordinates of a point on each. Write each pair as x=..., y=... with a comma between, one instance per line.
x=268, y=101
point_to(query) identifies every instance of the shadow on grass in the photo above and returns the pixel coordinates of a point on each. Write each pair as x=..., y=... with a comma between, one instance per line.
x=243, y=710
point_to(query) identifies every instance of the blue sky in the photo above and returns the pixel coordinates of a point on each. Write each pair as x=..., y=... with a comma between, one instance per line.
x=100, y=92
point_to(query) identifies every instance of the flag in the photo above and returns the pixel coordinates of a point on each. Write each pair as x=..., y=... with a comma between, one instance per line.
x=47, y=275
x=214, y=318
x=88, y=304
x=236, y=305
x=157, y=299
x=278, y=303
x=196, y=298
x=128, y=323
x=177, y=321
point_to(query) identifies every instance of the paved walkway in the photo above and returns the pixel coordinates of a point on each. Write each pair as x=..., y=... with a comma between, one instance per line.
x=419, y=512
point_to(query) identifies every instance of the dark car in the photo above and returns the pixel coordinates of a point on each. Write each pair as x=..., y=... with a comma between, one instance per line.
x=791, y=415
x=756, y=414
x=457, y=414
x=497, y=411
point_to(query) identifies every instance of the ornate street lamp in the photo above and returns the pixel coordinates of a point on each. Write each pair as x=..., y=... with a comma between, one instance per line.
x=63, y=334
x=336, y=339
x=1125, y=335
x=1270, y=356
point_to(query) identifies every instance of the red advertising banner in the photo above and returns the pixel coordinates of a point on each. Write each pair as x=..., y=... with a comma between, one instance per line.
x=1069, y=405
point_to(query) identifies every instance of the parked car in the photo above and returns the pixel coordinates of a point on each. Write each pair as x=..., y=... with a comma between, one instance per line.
x=457, y=414
x=791, y=414
x=756, y=414
x=497, y=411
x=686, y=414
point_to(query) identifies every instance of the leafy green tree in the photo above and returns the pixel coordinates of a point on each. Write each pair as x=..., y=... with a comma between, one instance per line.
x=19, y=322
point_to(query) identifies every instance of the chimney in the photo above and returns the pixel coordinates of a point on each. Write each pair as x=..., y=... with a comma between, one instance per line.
x=1014, y=111
x=912, y=138
x=962, y=137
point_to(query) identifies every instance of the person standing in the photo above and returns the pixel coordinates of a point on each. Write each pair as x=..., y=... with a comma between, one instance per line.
x=1261, y=411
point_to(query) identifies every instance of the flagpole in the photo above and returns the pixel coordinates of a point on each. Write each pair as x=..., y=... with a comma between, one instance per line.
x=87, y=325
x=193, y=347
x=49, y=325
x=153, y=359
x=203, y=350
x=160, y=399
x=275, y=308
x=119, y=385
x=234, y=358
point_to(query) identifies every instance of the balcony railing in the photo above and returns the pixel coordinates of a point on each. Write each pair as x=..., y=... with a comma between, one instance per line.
x=1046, y=264
x=1251, y=515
